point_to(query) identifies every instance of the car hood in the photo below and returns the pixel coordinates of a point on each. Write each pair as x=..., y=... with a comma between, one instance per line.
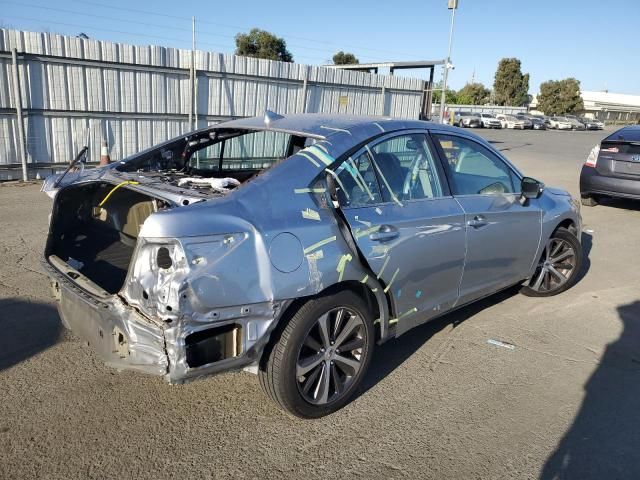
x=557, y=191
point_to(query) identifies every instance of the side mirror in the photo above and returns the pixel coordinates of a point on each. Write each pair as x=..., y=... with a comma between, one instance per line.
x=531, y=188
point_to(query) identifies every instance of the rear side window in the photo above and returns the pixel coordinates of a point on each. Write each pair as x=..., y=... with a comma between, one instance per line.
x=473, y=169
x=406, y=168
x=357, y=182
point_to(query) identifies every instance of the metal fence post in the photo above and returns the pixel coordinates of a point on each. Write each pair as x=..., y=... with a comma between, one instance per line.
x=17, y=101
x=305, y=86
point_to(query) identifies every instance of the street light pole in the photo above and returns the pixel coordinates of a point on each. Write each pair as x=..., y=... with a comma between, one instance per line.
x=453, y=6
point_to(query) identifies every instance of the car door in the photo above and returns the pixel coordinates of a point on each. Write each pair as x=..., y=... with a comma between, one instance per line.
x=406, y=225
x=502, y=234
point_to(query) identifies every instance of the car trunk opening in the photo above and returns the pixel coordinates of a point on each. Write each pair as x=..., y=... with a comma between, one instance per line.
x=93, y=237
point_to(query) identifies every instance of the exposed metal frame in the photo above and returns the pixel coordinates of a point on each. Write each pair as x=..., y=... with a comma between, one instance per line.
x=427, y=92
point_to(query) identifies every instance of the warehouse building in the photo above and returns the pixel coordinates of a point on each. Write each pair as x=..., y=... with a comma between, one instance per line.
x=612, y=107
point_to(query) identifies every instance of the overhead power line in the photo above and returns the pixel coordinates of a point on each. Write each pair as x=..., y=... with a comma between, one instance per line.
x=245, y=27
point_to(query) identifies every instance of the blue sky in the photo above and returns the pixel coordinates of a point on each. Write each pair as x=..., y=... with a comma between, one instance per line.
x=596, y=42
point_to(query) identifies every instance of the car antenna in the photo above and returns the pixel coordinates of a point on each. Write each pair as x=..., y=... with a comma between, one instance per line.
x=270, y=117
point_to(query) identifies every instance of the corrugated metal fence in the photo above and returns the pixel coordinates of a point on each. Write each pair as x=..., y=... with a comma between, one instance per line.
x=133, y=97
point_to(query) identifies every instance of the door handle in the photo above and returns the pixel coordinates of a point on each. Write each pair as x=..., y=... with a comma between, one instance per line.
x=384, y=233
x=478, y=221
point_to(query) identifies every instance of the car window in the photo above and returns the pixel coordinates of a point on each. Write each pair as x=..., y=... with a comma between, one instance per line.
x=251, y=151
x=357, y=184
x=406, y=168
x=473, y=168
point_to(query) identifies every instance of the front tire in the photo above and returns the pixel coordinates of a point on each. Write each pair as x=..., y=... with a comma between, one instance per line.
x=558, y=267
x=319, y=360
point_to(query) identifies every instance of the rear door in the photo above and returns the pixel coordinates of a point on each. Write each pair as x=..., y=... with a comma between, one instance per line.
x=406, y=224
x=502, y=234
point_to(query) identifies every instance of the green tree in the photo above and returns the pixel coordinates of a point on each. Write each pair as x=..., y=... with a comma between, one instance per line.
x=473, y=94
x=511, y=86
x=262, y=44
x=345, y=58
x=560, y=96
x=450, y=97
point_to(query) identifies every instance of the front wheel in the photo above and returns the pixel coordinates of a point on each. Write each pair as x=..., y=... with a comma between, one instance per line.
x=317, y=364
x=558, y=267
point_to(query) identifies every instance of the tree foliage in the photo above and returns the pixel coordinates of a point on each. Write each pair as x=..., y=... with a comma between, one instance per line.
x=345, y=58
x=450, y=97
x=473, y=94
x=511, y=86
x=560, y=96
x=262, y=44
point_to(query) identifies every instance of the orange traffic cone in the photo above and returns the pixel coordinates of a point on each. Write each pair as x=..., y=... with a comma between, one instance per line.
x=104, y=155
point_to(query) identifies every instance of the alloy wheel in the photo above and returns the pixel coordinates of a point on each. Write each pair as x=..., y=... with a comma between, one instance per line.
x=331, y=356
x=556, y=266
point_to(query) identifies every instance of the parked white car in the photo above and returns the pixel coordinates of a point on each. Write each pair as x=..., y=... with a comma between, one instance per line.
x=560, y=123
x=509, y=121
x=489, y=120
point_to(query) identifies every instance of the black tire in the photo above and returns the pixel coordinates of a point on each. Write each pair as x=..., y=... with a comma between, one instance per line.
x=588, y=201
x=278, y=369
x=571, y=274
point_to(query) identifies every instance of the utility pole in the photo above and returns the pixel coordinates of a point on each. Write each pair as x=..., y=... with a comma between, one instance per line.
x=192, y=71
x=17, y=101
x=453, y=6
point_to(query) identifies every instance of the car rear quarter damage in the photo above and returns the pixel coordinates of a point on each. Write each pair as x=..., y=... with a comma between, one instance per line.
x=169, y=281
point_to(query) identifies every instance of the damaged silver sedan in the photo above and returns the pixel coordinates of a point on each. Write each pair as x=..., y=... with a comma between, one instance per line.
x=291, y=246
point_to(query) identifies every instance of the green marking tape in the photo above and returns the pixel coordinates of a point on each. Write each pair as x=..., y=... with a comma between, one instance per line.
x=342, y=264
x=319, y=244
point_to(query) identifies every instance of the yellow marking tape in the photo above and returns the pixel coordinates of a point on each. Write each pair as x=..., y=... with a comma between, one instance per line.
x=320, y=155
x=364, y=280
x=365, y=231
x=317, y=255
x=319, y=244
x=128, y=182
x=310, y=214
x=309, y=190
x=408, y=312
x=391, y=281
x=384, y=265
x=308, y=157
x=342, y=264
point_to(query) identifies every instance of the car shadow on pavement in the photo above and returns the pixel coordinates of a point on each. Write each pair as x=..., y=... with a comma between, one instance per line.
x=393, y=353
x=27, y=329
x=587, y=245
x=604, y=439
x=621, y=203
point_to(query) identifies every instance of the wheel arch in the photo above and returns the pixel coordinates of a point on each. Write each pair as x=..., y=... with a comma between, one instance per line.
x=379, y=304
x=568, y=224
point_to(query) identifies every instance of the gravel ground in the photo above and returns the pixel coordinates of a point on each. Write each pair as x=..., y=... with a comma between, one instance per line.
x=439, y=402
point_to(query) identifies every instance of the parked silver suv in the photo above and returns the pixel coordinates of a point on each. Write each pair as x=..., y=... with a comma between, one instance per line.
x=291, y=246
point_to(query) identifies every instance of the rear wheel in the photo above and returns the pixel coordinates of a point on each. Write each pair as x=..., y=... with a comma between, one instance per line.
x=321, y=357
x=588, y=201
x=558, y=267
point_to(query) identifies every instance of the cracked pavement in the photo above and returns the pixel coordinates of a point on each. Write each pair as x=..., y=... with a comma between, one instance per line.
x=439, y=402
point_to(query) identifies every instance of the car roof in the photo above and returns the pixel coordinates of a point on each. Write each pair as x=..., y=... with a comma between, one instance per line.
x=321, y=125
